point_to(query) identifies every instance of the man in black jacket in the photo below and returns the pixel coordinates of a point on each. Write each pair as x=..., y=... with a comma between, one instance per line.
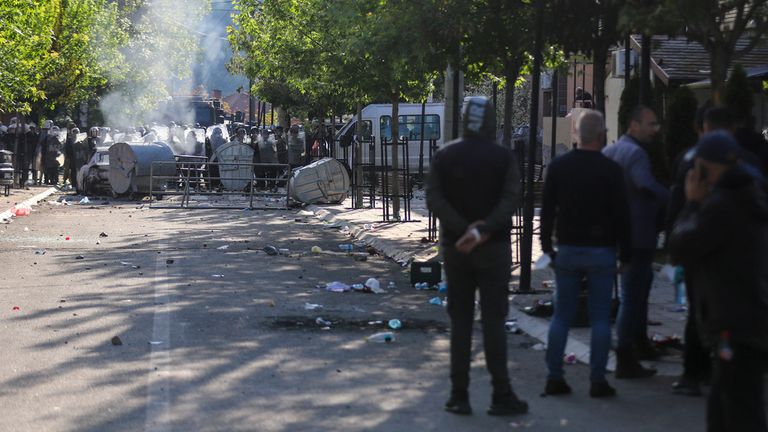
x=473, y=188
x=585, y=202
x=721, y=238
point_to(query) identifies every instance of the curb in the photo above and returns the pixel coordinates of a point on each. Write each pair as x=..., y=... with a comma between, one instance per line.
x=6, y=216
x=404, y=258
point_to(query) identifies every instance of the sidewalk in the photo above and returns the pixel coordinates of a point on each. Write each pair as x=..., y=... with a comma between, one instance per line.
x=30, y=197
x=403, y=242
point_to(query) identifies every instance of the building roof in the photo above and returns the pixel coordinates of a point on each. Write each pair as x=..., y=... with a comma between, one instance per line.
x=237, y=102
x=677, y=59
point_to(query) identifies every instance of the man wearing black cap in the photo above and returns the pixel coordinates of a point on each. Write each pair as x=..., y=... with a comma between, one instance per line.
x=721, y=238
x=473, y=188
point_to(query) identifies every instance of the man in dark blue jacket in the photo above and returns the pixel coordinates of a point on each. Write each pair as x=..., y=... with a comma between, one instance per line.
x=473, y=188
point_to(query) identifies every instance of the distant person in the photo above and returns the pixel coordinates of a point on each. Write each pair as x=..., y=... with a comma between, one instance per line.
x=52, y=153
x=647, y=197
x=585, y=202
x=584, y=98
x=696, y=356
x=281, y=145
x=473, y=188
x=722, y=118
x=721, y=239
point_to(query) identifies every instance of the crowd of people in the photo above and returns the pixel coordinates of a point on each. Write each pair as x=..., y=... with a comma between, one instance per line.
x=601, y=218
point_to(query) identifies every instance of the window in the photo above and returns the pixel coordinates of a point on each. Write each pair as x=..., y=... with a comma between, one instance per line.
x=367, y=130
x=410, y=127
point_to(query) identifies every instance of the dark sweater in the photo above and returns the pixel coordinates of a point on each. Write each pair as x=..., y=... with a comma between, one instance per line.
x=473, y=180
x=585, y=202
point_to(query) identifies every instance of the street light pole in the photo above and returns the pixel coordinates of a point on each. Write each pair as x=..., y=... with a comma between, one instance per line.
x=526, y=248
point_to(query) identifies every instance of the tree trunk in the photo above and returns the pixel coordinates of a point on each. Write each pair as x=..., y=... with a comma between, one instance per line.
x=600, y=58
x=719, y=60
x=510, y=75
x=395, y=189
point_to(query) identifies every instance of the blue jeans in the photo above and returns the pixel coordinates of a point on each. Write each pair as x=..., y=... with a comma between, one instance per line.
x=573, y=264
x=632, y=322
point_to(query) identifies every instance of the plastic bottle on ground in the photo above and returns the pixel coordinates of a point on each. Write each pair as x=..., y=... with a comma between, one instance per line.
x=381, y=337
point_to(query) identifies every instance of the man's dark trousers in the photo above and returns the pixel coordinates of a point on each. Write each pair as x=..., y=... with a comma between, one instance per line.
x=696, y=357
x=736, y=401
x=486, y=268
x=632, y=322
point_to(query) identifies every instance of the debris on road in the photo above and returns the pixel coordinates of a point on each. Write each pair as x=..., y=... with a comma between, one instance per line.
x=117, y=341
x=218, y=276
x=316, y=249
x=511, y=326
x=322, y=323
x=85, y=201
x=169, y=261
x=16, y=308
x=381, y=337
x=570, y=359
x=312, y=306
x=395, y=324
x=225, y=247
x=539, y=347
x=40, y=252
x=103, y=234
x=155, y=342
x=437, y=301
x=79, y=257
x=271, y=250
x=337, y=287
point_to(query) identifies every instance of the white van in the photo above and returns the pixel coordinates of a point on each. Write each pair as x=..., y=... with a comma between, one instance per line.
x=377, y=121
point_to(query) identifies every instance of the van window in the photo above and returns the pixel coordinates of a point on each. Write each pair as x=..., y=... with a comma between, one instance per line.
x=367, y=129
x=410, y=126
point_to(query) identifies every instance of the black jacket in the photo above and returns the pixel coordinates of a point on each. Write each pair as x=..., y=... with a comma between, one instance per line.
x=470, y=180
x=723, y=243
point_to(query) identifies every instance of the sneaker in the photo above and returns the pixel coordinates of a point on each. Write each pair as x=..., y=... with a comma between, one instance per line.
x=507, y=405
x=601, y=389
x=557, y=386
x=458, y=405
x=686, y=386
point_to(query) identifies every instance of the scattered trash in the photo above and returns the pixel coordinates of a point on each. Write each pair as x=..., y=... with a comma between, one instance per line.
x=371, y=323
x=360, y=256
x=548, y=284
x=563, y=422
x=169, y=261
x=511, y=326
x=40, y=252
x=543, y=262
x=540, y=308
x=312, y=306
x=374, y=286
x=284, y=252
x=66, y=238
x=367, y=227
x=26, y=228
x=316, y=249
x=422, y=286
x=442, y=287
x=85, y=201
x=79, y=257
x=16, y=308
x=391, y=285
x=358, y=287
x=117, y=341
x=570, y=358
x=225, y=247
x=271, y=250
x=337, y=287
x=135, y=267
x=218, y=276
x=21, y=210
x=381, y=337
x=436, y=301
x=124, y=263
x=155, y=342
x=348, y=248
x=395, y=324
x=103, y=234
x=539, y=347
x=322, y=323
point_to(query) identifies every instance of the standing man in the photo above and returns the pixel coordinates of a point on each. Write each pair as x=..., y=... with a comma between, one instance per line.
x=473, y=188
x=646, y=199
x=585, y=202
x=721, y=238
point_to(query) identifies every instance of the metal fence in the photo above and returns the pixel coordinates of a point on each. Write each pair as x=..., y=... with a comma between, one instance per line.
x=195, y=185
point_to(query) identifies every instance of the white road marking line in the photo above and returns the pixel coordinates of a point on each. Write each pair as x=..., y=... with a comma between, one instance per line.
x=158, y=387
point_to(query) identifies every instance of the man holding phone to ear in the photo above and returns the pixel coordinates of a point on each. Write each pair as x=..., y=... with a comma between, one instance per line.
x=473, y=188
x=721, y=238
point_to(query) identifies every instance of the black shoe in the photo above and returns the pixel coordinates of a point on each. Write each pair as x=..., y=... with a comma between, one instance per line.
x=506, y=405
x=557, y=386
x=458, y=406
x=627, y=366
x=686, y=386
x=601, y=389
x=646, y=351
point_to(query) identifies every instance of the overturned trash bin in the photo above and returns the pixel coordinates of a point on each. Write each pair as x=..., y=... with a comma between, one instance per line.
x=325, y=181
x=130, y=166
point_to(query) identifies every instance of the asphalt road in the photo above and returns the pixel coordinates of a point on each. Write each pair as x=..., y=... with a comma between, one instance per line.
x=240, y=352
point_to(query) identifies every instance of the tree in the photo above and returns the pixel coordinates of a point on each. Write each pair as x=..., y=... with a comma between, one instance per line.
x=739, y=96
x=681, y=116
x=727, y=30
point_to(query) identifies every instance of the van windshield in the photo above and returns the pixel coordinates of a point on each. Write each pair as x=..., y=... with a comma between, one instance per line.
x=410, y=127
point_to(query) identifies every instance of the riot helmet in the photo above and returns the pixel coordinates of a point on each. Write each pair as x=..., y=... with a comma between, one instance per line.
x=93, y=132
x=478, y=118
x=48, y=124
